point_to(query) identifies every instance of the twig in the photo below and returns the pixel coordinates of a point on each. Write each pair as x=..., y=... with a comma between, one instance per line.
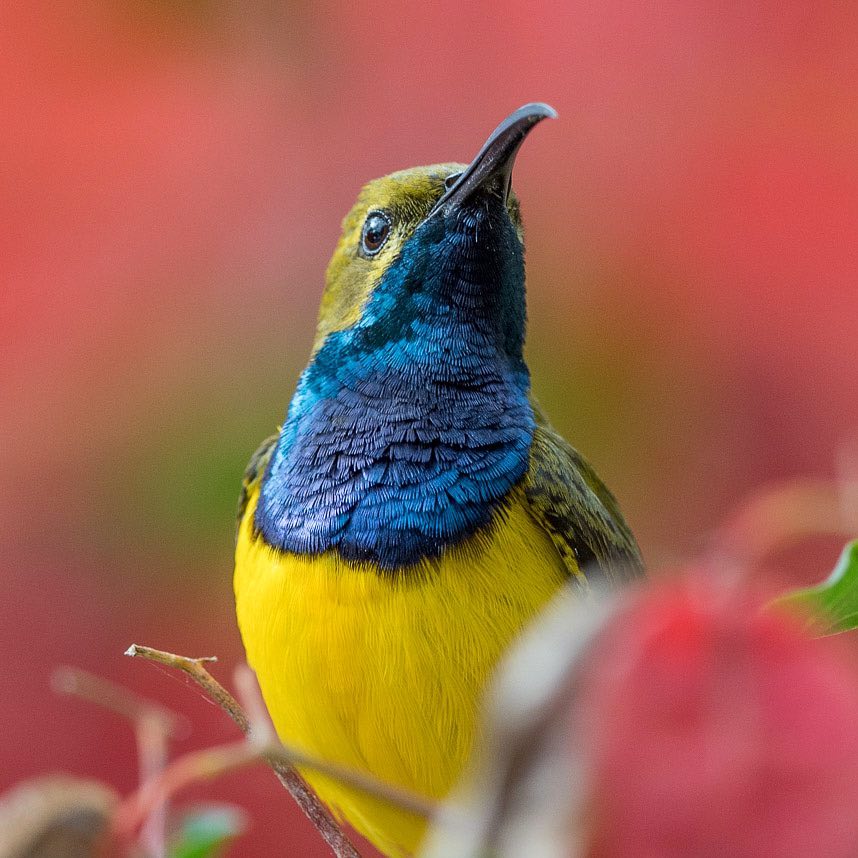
x=153, y=752
x=330, y=830
x=272, y=748
x=87, y=686
x=194, y=667
x=261, y=730
x=154, y=726
x=213, y=762
x=785, y=514
x=294, y=784
x=261, y=744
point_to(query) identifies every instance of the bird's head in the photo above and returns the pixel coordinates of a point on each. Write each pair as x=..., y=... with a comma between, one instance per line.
x=412, y=419
x=430, y=246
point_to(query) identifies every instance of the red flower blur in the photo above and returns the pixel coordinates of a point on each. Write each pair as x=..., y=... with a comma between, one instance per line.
x=718, y=728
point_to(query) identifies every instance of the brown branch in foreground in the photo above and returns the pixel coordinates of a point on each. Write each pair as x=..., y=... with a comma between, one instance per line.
x=219, y=760
x=261, y=744
x=261, y=729
x=213, y=762
x=87, y=686
x=263, y=735
x=154, y=726
x=153, y=752
x=783, y=515
x=194, y=667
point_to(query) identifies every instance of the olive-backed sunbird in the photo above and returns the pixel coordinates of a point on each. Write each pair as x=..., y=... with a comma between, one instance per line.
x=416, y=509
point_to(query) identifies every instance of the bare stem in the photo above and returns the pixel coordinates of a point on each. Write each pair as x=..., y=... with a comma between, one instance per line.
x=261, y=744
x=154, y=726
x=213, y=762
x=261, y=729
x=306, y=799
x=263, y=735
x=785, y=514
x=87, y=686
x=153, y=752
x=194, y=667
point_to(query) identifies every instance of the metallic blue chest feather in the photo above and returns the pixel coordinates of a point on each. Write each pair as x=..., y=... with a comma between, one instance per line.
x=406, y=431
x=398, y=465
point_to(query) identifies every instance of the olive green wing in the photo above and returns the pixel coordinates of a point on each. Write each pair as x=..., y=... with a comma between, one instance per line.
x=252, y=474
x=567, y=498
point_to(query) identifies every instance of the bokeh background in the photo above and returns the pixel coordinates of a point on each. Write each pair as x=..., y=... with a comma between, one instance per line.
x=173, y=177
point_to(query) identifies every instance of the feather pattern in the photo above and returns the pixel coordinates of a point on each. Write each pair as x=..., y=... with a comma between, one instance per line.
x=569, y=501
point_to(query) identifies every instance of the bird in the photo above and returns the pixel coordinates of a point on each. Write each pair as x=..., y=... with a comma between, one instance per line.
x=416, y=509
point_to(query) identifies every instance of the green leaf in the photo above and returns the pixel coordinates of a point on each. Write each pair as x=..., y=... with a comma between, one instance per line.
x=205, y=832
x=832, y=606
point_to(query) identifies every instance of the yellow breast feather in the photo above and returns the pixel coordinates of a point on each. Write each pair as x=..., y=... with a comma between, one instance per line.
x=384, y=672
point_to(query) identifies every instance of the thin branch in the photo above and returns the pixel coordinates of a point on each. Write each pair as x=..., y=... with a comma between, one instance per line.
x=324, y=822
x=783, y=515
x=194, y=667
x=153, y=753
x=154, y=726
x=87, y=686
x=213, y=762
x=261, y=731
x=261, y=744
x=262, y=735
x=186, y=770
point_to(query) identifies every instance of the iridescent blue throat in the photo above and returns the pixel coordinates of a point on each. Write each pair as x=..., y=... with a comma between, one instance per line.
x=408, y=430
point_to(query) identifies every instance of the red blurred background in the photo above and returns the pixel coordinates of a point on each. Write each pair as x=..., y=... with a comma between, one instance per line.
x=174, y=175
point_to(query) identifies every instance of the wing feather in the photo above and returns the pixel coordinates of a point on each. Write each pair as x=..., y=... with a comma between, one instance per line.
x=252, y=474
x=582, y=517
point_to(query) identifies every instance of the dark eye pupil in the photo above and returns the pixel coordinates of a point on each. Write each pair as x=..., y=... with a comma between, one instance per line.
x=375, y=232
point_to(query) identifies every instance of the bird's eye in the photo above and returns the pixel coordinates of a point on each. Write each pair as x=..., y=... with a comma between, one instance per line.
x=451, y=180
x=376, y=228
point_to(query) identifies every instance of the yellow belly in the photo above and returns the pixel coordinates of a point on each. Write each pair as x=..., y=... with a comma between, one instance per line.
x=385, y=673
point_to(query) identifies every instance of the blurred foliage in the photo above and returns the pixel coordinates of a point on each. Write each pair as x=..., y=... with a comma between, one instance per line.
x=831, y=606
x=206, y=832
x=56, y=816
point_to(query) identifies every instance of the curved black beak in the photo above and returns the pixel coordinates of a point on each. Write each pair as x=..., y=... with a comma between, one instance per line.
x=495, y=160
